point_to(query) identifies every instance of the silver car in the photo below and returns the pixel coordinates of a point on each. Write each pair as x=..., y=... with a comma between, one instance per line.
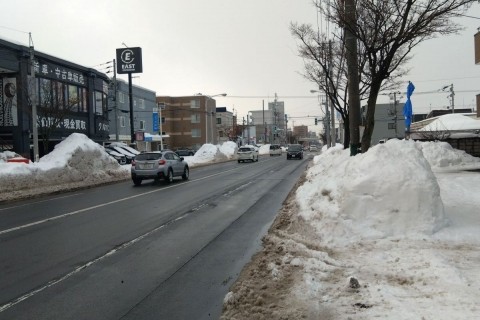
x=247, y=153
x=158, y=165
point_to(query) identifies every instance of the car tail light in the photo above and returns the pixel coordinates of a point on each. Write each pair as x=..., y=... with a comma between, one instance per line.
x=133, y=163
x=161, y=162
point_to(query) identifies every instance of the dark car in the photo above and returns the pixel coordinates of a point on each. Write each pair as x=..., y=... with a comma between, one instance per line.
x=185, y=152
x=158, y=165
x=295, y=151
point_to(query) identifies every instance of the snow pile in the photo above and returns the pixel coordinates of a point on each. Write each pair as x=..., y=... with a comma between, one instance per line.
x=394, y=178
x=76, y=159
x=442, y=154
x=376, y=236
x=209, y=153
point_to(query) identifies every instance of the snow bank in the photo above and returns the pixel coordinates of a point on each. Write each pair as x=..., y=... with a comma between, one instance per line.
x=441, y=155
x=75, y=159
x=340, y=189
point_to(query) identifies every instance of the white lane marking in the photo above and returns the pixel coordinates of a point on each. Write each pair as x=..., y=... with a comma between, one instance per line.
x=101, y=205
x=86, y=265
x=40, y=201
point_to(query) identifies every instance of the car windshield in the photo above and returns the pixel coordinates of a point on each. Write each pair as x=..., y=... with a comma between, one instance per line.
x=148, y=156
x=295, y=148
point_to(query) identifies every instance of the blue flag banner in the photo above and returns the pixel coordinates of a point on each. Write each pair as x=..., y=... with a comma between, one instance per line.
x=407, y=107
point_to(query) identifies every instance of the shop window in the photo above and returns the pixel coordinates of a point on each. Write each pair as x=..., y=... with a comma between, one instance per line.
x=98, y=102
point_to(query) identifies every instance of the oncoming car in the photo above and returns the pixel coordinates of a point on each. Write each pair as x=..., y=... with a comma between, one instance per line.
x=247, y=153
x=295, y=151
x=158, y=165
x=275, y=150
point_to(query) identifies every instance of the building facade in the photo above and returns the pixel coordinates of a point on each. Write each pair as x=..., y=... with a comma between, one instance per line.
x=145, y=115
x=68, y=98
x=389, y=122
x=225, y=129
x=189, y=121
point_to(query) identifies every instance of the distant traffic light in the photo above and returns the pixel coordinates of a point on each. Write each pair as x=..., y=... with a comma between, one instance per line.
x=316, y=121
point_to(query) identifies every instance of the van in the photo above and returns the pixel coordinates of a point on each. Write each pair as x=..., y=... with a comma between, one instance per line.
x=275, y=150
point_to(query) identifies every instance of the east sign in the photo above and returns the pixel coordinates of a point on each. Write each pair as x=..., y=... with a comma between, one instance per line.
x=129, y=60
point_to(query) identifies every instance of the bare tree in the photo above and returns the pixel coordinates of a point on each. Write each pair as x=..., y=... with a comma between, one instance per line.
x=325, y=65
x=387, y=31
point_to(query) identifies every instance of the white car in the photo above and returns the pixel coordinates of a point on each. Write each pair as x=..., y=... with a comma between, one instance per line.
x=313, y=148
x=247, y=153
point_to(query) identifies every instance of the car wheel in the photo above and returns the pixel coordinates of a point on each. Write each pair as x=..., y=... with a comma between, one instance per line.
x=137, y=181
x=169, y=176
x=186, y=173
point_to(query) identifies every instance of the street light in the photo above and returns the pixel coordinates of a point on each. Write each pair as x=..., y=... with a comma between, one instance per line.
x=207, y=97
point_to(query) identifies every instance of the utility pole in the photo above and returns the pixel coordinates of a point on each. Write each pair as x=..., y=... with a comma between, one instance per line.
x=34, y=101
x=352, y=70
x=332, y=105
x=115, y=106
x=452, y=95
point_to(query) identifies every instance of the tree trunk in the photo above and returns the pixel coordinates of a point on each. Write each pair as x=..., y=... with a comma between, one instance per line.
x=370, y=117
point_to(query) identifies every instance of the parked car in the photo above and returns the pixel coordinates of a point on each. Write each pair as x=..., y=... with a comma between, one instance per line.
x=275, y=150
x=128, y=155
x=116, y=155
x=185, y=152
x=295, y=151
x=247, y=153
x=158, y=165
x=313, y=148
x=125, y=147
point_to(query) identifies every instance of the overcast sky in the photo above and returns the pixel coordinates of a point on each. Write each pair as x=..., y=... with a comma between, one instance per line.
x=242, y=48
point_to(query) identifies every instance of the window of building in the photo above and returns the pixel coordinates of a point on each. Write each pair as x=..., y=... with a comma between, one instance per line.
x=219, y=120
x=73, y=99
x=196, y=133
x=98, y=102
x=142, y=124
x=163, y=120
x=122, y=121
x=391, y=126
x=141, y=104
x=84, y=102
x=134, y=103
x=194, y=104
x=59, y=93
x=121, y=97
x=44, y=93
x=195, y=118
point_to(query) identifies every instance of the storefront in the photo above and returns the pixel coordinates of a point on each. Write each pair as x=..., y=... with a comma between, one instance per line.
x=69, y=98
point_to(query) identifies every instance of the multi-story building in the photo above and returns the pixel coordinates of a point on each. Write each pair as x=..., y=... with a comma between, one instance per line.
x=68, y=98
x=300, y=132
x=145, y=115
x=270, y=125
x=189, y=121
x=225, y=129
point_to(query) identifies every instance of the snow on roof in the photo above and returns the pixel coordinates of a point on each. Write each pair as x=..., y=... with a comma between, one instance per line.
x=452, y=122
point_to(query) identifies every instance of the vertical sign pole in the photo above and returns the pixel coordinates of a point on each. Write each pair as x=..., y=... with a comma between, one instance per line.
x=130, y=97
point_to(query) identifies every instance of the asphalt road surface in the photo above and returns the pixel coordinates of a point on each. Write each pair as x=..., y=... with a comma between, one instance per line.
x=155, y=251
